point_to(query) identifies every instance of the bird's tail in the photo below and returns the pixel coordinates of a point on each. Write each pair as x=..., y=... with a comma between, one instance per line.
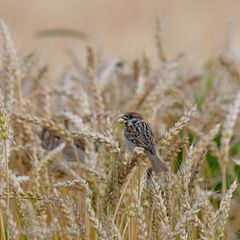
x=157, y=164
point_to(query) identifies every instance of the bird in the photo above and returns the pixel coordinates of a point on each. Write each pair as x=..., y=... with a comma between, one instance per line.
x=51, y=140
x=137, y=133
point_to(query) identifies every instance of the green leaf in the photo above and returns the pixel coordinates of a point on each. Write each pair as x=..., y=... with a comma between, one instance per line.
x=62, y=32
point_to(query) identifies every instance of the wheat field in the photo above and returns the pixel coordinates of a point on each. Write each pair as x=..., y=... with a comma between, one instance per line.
x=65, y=172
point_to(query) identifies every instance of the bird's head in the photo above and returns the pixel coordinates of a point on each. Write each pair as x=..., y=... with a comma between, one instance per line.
x=129, y=118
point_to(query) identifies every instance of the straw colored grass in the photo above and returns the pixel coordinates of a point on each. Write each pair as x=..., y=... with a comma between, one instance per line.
x=79, y=182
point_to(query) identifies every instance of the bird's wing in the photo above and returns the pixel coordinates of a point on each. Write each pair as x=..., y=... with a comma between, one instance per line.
x=141, y=135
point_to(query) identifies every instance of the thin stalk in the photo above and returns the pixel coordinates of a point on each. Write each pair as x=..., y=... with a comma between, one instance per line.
x=132, y=228
x=122, y=194
x=6, y=169
x=133, y=225
x=139, y=183
x=86, y=219
x=125, y=229
x=2, y=228
x=224, y=184
x=122, y=219
x=150, y=224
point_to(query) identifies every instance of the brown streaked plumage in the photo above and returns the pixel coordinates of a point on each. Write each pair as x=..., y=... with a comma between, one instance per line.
x=137, y=133
x=51, y=140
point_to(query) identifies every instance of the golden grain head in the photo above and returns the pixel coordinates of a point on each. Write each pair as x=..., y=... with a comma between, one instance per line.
x=64, y=169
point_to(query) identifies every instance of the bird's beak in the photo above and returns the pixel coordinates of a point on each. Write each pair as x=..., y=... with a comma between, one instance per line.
x=122, y=120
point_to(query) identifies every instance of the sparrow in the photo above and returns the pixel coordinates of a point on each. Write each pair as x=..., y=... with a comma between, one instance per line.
x=50, y=140
x=137, y=133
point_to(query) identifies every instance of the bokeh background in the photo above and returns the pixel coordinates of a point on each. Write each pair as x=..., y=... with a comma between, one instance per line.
x=125, y=27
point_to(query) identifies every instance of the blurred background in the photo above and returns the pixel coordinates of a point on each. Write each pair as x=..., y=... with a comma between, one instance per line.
x=125, y=27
